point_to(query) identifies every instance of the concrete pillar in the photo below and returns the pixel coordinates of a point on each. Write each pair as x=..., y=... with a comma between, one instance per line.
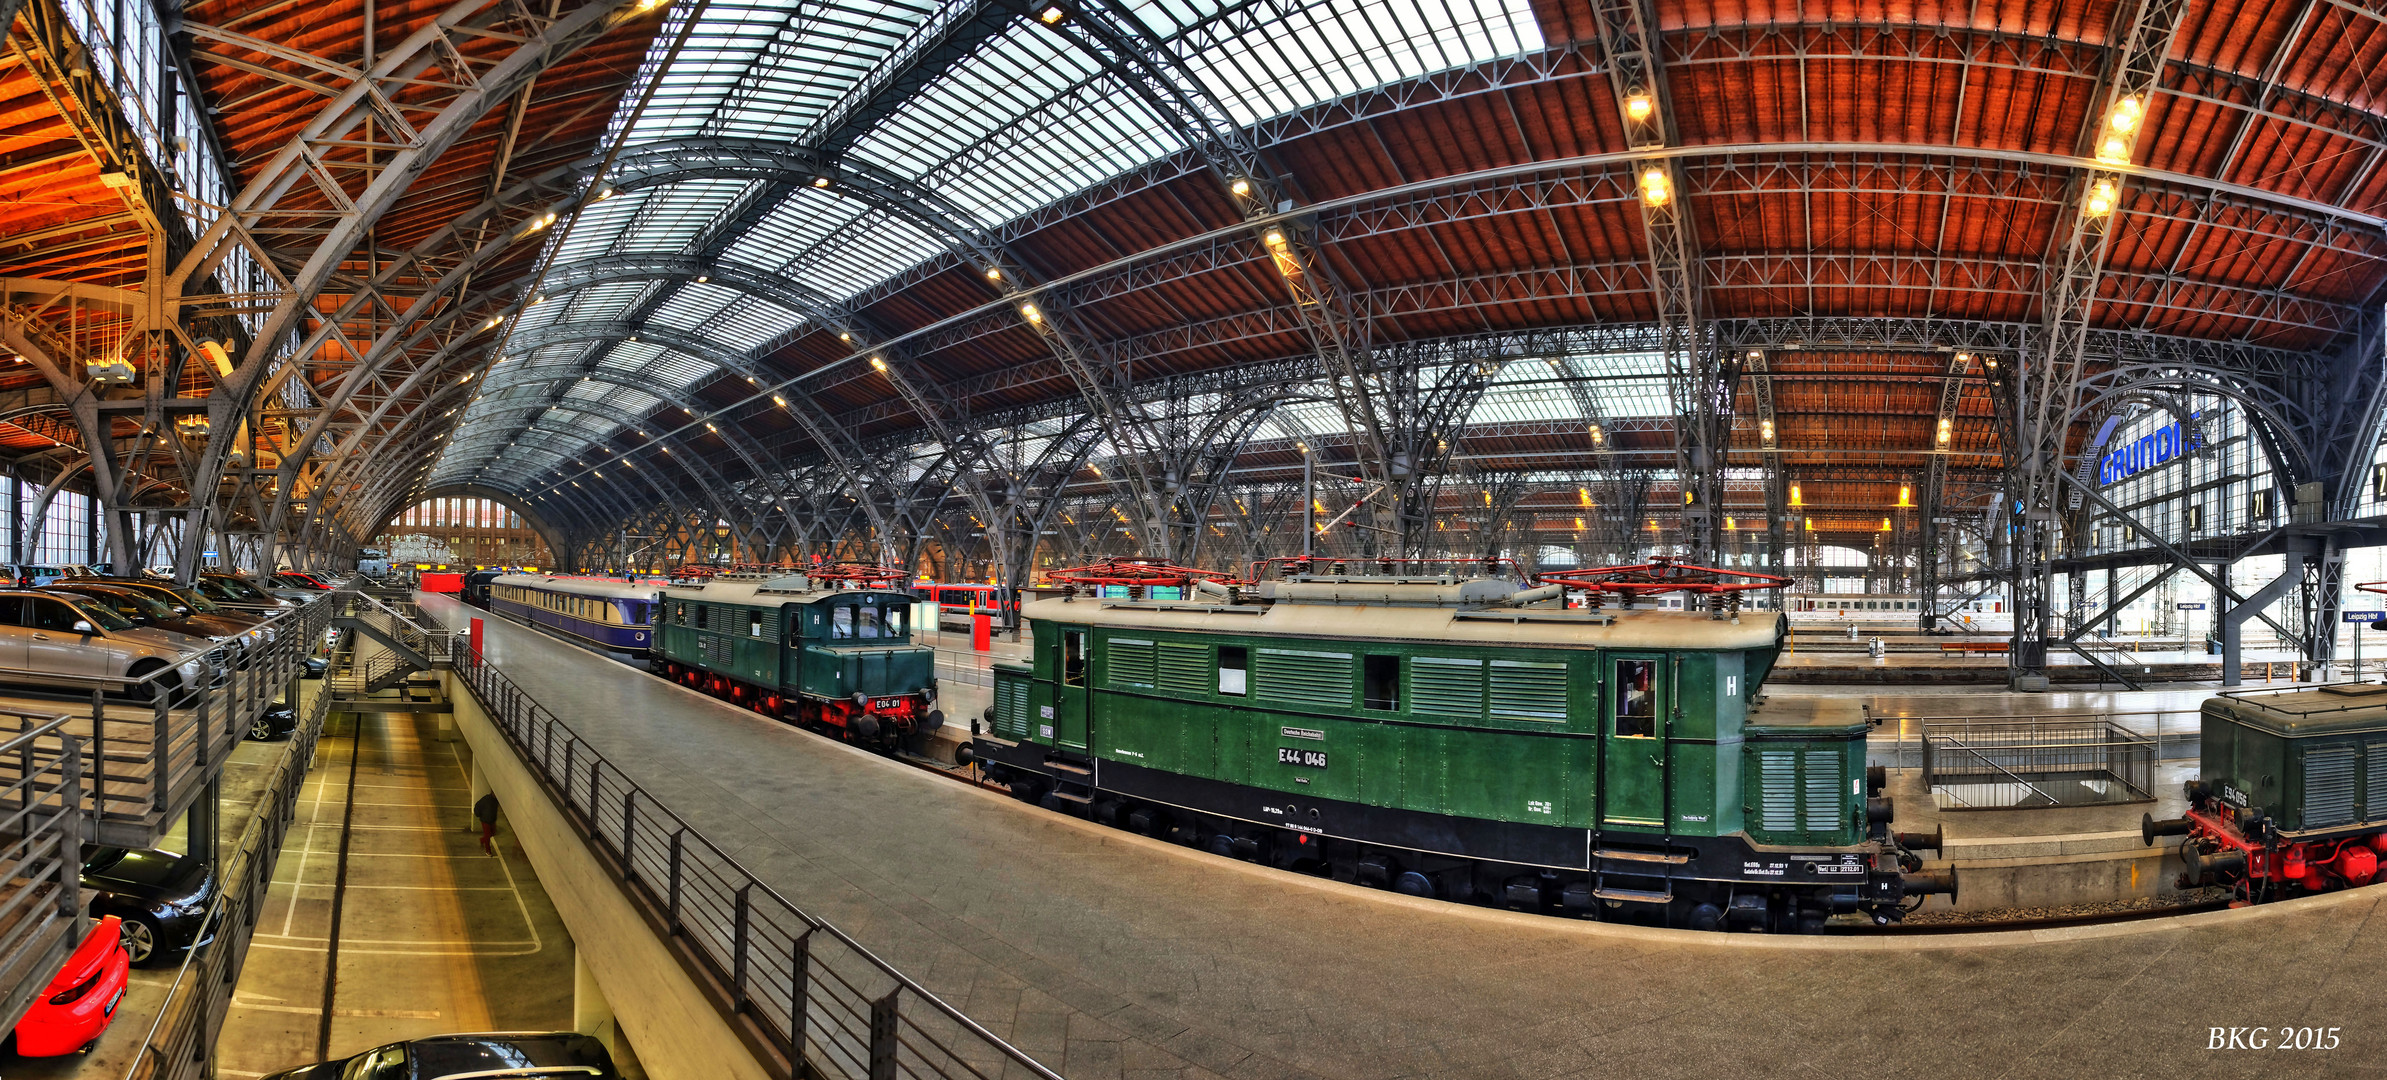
x=592, y=1014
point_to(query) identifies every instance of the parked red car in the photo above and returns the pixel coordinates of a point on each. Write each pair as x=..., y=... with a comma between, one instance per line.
x=70, y=1013
x=293, y=579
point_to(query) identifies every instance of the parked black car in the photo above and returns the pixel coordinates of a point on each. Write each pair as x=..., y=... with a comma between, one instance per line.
x=316, y=666
x=503, y=1053
x=277, y=721
x=161, y=896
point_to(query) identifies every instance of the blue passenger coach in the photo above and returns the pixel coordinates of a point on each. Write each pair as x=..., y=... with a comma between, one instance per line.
x=614, y=615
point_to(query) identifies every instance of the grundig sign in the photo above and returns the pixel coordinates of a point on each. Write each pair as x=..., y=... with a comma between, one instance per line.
x=2151, y=449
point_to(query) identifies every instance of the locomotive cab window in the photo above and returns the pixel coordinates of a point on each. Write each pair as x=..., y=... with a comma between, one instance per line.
x=1234, y=664
x=1073, y=658
x=841, y=623
x=1636, y=698
x=1381, y=682
x=866, y=622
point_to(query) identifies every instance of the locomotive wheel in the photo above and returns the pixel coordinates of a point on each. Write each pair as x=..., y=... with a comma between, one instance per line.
x=1412, y=883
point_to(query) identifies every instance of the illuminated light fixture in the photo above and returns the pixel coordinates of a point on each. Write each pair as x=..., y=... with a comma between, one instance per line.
x=492, y=323
x=1794, y=495
x=2101, y=203
x=1686, y=498
x=780, y=401
x=708, y=426
x=1029, y=312
x=645, y=6
x=1885, y=524
x=1765, y=430
x=1052, y=15
x=1963, y=358
x=1944, y=431
x=1583, y=495
x=1240, y=187
x=1905, y=495
x=1755, y=354
x=1578, y=524
x=1275, y=238
x=1728, y=524
x=2115, y=150
x=1656, y=188
x=820, y=181
x=702, y=279
x=879, y=362
x=845, y=337
x=1810, y=524
x=2127, y=113
x=604, y=194
x=1597, y=437
x=1638, y=106
x=1304, y=447
x=994, y=273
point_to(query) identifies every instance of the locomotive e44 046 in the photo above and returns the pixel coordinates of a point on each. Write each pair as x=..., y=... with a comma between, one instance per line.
x=1461, y=737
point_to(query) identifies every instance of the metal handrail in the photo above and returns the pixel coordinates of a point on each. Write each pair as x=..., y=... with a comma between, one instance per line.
x=41, y=818
x=765, y=949
x=196, y=1006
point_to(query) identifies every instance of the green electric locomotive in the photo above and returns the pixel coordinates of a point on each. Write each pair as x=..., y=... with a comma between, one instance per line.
x=1460, y=738
x=830, y=649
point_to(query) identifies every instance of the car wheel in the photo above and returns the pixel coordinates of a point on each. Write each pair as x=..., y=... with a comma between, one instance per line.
x=261, y=729
x=140, y=937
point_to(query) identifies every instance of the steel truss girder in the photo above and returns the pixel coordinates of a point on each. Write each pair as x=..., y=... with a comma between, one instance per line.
x=2045, y=382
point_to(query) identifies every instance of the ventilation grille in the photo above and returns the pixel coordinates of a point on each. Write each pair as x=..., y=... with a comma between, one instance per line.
x=1447, y=685
x=1522, y=691
x=718, y=650
x=1296, y=677
x=1129, y=662
x=2330, y=785
x=1184, y=669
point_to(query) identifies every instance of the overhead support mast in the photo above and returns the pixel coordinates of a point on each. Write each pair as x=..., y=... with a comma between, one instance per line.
x=2044, y=386
x=1695, y=374
x=1935, y=484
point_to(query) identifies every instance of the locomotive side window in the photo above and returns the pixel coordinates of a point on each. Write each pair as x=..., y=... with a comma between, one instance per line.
x=867, y=622
x=1073, y=658
x=1380, y=679
x=895, y=620
x=1234, y=664
x=754, y=624
x=1636, y=698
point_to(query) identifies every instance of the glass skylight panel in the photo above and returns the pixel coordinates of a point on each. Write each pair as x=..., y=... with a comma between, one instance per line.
x=1016, y=125
x=679, y=372
x=746, y=324
x=693, y=305
x=630, y=356
x=1319, y=52
x=813, y=62
x=600, y=224
x=719, y=49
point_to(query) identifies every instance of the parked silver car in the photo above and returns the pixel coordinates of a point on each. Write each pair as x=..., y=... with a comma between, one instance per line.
x=48, y=639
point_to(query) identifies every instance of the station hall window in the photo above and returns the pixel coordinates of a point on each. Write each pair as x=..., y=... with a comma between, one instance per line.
x=1381, y=682
x=1636, y=698
x=1234, y=664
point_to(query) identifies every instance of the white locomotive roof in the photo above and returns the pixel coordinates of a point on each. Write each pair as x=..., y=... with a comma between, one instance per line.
x=1612, y=628
x=760, y=592
x=578, y=586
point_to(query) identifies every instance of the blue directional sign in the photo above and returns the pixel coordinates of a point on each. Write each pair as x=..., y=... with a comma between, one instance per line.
x=2364, y=616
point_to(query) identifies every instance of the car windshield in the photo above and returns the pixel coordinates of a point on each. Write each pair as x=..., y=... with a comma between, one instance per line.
x=197, y=602
x=102, y=615
x=100, y=859
x=385, y=1063
x=231, y=588
x=148, y=605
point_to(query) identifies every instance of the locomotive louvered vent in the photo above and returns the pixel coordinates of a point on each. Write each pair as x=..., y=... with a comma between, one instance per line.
x=1129, y=662
x=1447, y=685
x=1822, y=782
x=2375, y=800
x=1184, y=669
x=1528, y=691
x=717, y=650
x=2330, y=783
x=1778, y=790
x=1298, y=677
x=1011, y=708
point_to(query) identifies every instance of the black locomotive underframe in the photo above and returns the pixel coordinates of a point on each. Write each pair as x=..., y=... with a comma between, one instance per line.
x=1464, y=858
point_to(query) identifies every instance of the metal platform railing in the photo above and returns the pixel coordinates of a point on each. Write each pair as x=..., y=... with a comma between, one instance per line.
x=151, y=746
x=181, y=1040
x=41, y=828
x=818, y=996
x=2036, y=762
